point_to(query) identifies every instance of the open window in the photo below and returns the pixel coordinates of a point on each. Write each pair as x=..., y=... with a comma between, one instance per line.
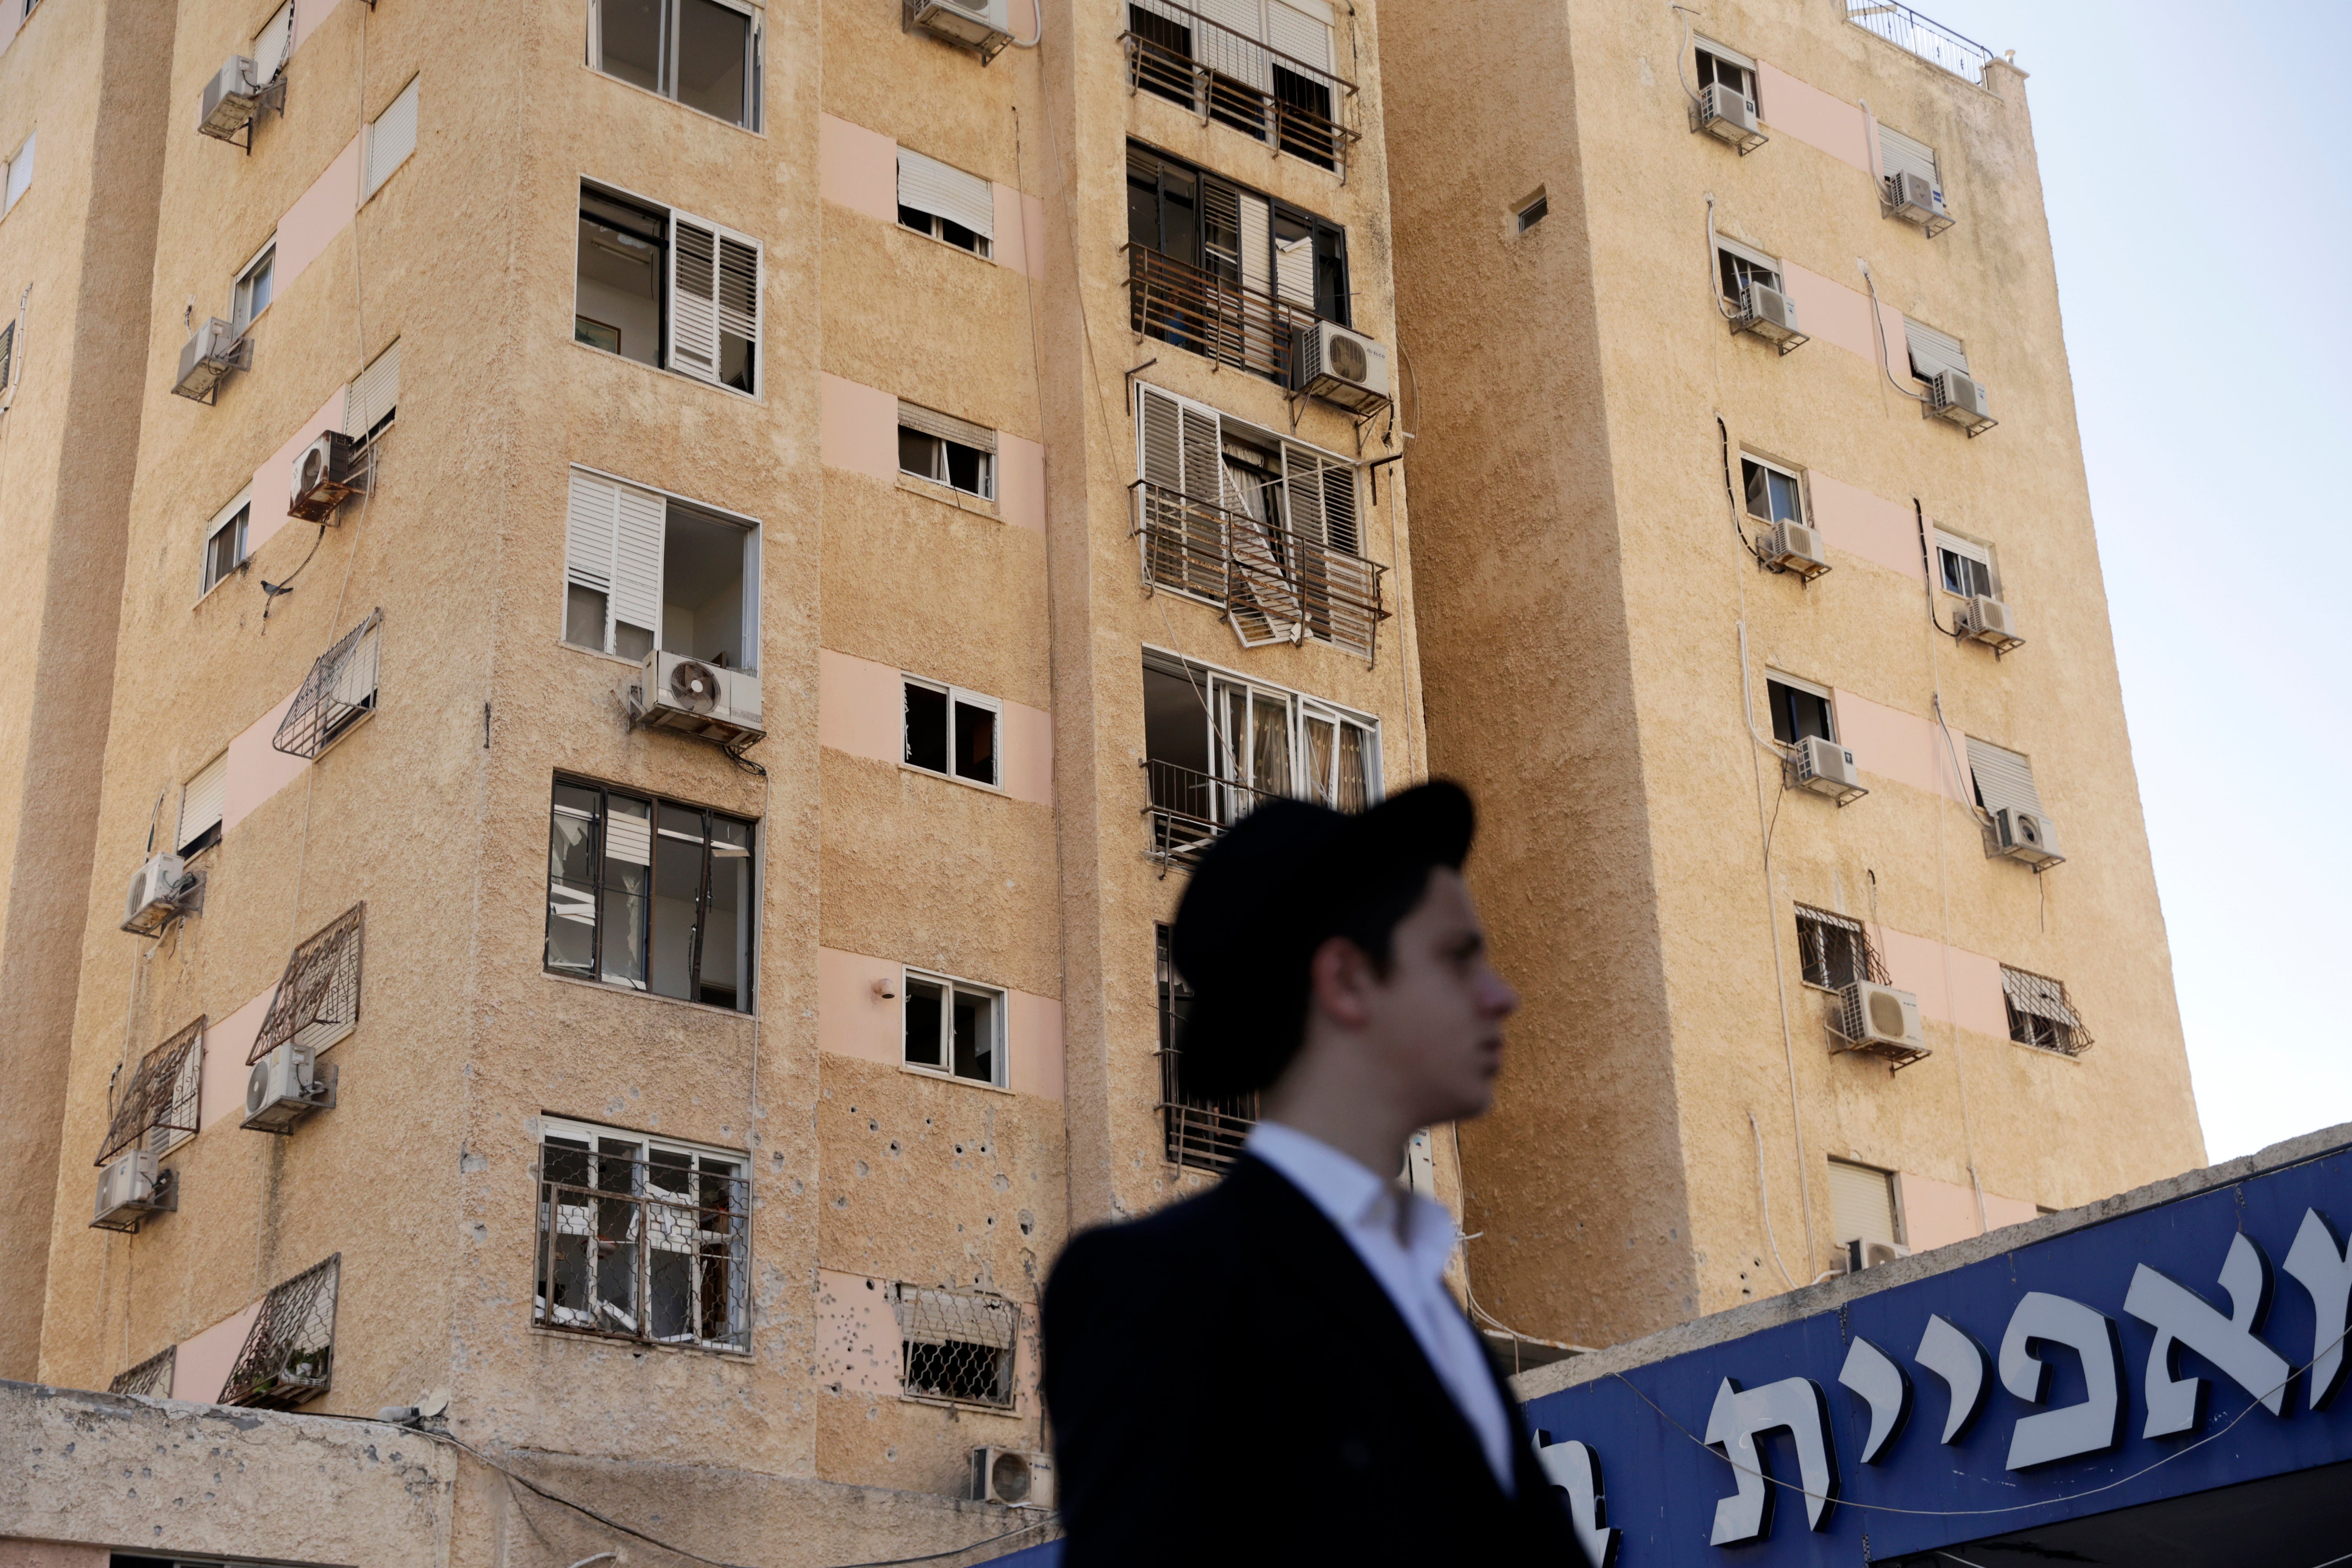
x=943, y=202
x=952, y=731
x=1775, y=494
x=1264, y=70
x=651, y=895
x=954, y=1027
x=1531, y=211
x=1836, y=951
x=225, y=539
x=1739, y=267
x=1965, y=567
x=336, y=695
x=947, y=451
x=664, y=287
x=201, y=801
x=643, y=570
x=288, y=1356
x=273, y=44
x=256, y=285
x=1216, y=746
x=957, y=1345
x=2041, y=1013
x=1718, y=65
x=705, y=53
x=156, y=1109
x=1801, y=710
x=643, y=1238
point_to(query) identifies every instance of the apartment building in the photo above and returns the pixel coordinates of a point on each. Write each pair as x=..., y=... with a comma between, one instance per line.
x=1763, y=612
x=692, y=575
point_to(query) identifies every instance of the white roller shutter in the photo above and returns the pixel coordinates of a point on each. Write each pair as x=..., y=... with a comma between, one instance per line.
x=693, y=296
x=1932, y=350
x=1861, y=1203
x=1257, y=244
x=1301, y=29
x=2004, y=778
x=200, y=802
x=1294, y=270
x=391, y=137
x=1903, y=155
x=373, y=395
x=270, y=44
x=947, y=427
x=1237, y=57
x=613, y=544
x=930, y=186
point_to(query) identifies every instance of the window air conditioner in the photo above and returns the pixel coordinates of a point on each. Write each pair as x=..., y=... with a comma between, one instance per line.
x=1012, y=1477
x=328, y=473
x=286, y=1086
x=1987, y=619
x=1872, y=1016
x=232, y=99
x=1342, y=367
x=985, y=24
x=1731, y=114
x=1796, y=547
x=132, y=1188
x=1861, y=1254
x=1827, y=769
x=2027, y=836
x=216, y=350
x=1914, y=199
x=697, y=698
x=1953, y=395
x=158, y=895
x=1770, y=315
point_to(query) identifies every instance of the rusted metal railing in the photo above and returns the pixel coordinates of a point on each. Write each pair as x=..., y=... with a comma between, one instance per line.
x=1277, y=585
x=1216, y=316
x=1291, y=104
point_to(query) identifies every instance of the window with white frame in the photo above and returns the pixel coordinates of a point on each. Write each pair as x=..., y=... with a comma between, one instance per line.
x=1216, y=745
x=646, y=571
x=1738, y=268
x=705, y=53
x=947, y=451
x=666, y=288
x=1801, y=710
x=202, y=798
x=643, y=1238
x=943, y=202
x=651, y=895
x=20, y=174
x=391, y=137
x=1716, y=64
x=954, y=1027
x=224, y=540
x=952, y=731
x=1965, y=567
x=1861, y=1203
x=1775, y=494
x=256, y=284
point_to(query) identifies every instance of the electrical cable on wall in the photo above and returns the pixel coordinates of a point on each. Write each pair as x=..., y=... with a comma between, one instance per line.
x=1927, y=570
x=1878, y=325
x=1681, y=75
x=1714, y=283
x=1731, y=496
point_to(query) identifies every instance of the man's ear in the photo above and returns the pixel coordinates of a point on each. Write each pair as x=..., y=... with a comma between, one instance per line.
x=1340, y=978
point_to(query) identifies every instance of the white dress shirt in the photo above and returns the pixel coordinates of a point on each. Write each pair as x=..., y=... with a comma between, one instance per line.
x=1404, y=1241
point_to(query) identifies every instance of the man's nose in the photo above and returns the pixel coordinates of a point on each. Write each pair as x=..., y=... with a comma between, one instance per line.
x=1497, y=997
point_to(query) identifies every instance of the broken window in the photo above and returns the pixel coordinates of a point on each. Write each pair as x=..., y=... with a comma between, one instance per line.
x=643, y=571
x=1835, y=952
x=947, y=451
x=650, y=894
x=665, y=287
x=1206, y=1132
x=952, y=731
x=1215, y=746
x=339, y=691
x=955, y=1027
x=156, y=1109
x=703, y=53
x=2041, y=1014
x=643, y=1238
x=152, y=1377
x=288, y=1354
x=957, y=1345
x=1801, y=710
x=318, y=999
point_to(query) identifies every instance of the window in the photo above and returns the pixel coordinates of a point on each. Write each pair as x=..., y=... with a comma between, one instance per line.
x=954, y=1027
x=1738, y=268
x=951, y=731
x=225, y=541
x=317, y=1002
x=1264, y=69
x=1835, y=952
x=957, y=1344
x=1216, y=745
x=1774, y=494
x=20, y=174
x=1533, y=210
x=253, y=290
x=152, y=1377
x=703, y=53
x=643, y=1238
x=373, y=396
x=271, y=45
x=1966, y=566
x=1932, y=352
x=2042, y=1014
x=1799, y=710
x=1236, y=236
x=339, y=691
x=946, y=203
x=1204, y=1132
x=156, y=1110
x=665, y=288
x=391, y=137
x=1900, y=155
x=288, y=1354
x=1862, y=1202
x=644, y=571
x=947, y=451
x=650, y=894
x=2004, y=778
x=201, y=799
x=1729, y=68
x=8, y=356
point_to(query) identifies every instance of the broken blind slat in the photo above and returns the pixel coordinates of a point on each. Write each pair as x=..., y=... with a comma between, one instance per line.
x=1932, y=350
x=393, y=137
x=1903, y=155
x=639, y=518
x=694, y=297
x=1862, y=1202
x=947, y=427
x=373, y=395
x=943, y=191
x=201, y=799
x=2004, y=778
x=739, y=288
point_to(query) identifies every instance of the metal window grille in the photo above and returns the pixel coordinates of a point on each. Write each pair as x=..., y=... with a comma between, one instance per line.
x=152, y=1377
x=644, y=1244
x=2042, y=1014
x=161, y=1098
x=339, y=691
x=956, y=1345
x=1204, y=1132
x=1931, y=41
x=318, y=999
x=290, y=1353
x=1228, y=76
x=1837, y=951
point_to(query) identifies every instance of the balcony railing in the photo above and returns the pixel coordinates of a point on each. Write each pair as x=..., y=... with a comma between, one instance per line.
x=1234, y=78
x=1177, y=303
x=1206, y=1132
x=1931, y=41
x=1189, y=809
x=1276, y=586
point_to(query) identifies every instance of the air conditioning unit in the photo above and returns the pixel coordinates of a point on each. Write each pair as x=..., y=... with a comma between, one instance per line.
x=1861, y=1254
x=286, y=1086
x=1914, y=199
x=984, y=25
x=158, y=895
x=1876, y=1017
x=1770, y=315
x=2027, y=836
x=1730, y=113
x=1987, y=619
x=1342, y=367
x=1953, y=395
x=699, y=698
x=1798, y=547
x=328, y=473
x=232, y=99
x=215, y=351
x=1012, y=1477
x=132, y=1188
x=1827, y=769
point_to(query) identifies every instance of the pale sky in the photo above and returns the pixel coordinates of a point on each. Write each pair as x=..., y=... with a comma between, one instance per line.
x=2202, y=220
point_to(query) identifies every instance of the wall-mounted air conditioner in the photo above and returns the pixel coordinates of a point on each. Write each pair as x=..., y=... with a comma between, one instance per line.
x=2027, y=836
x=1013, y=1477
x=984, y=25
x=1861, y=1254
x=215, y=348
x=328, y=473
x=1989, y=621
x=699, y=698
x=1341, y=367
x=1769, y=315
x=1914, y=199
x=132, y=1188
x=1871, y=1017
x=1954, y=395
x=1825, y=767
x=1723, y=111
x=286, y=1086
x=1796, y=547
x=232, y=99
x=161, y=892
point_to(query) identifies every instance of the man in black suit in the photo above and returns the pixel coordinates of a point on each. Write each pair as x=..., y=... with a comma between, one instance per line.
x=1273, y=1372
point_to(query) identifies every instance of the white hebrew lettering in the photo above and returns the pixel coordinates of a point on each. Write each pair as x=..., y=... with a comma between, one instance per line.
x=1794, y=1404
x=1873, y=1374
x=2181, y=1317
x=1575, y=1468
x=2324, y=1268
x=1955, y=1356
x=2091, y=1426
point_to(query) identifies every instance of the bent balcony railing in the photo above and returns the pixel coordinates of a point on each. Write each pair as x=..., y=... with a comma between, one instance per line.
x=1180, y=304
x=1189, y=809
x=1292, y=105
x=1206, y=1132
x=1275, y=585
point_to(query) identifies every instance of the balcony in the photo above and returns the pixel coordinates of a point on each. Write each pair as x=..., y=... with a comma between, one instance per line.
x=1189, y=809
x=1275, y=584
x=1931, y=41
x=1204, y=1132
x=1211, y=316
x=1238, y=80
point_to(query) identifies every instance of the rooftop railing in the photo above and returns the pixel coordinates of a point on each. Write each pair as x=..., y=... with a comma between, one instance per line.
x=1238, y=80
x=1931, y=41
x=1277, y=585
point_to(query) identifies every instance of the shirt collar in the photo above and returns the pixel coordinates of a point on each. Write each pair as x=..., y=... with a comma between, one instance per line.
x=1352, y=1197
